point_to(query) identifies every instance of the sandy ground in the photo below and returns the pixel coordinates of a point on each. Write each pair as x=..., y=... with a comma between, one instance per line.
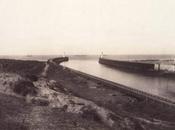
x=67, y=101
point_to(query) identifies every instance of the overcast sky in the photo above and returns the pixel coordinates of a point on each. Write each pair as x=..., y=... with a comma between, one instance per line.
x=87, y=26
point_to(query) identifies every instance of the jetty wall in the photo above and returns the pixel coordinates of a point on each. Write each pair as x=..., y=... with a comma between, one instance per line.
x=132, y=65
x=60, y=59
x=129, y=91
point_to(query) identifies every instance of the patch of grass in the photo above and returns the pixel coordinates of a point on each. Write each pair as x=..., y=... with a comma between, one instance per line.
x=21, y=66
x=14, y=126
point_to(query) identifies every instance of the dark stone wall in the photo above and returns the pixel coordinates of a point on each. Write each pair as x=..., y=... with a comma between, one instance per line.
x=60, y=59
x=128, y=64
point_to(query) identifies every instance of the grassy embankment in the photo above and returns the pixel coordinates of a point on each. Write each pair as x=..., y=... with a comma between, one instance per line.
x=62, y=99
x=29, y=101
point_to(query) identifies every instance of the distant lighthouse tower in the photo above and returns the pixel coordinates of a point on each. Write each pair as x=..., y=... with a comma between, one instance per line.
x=101, y=56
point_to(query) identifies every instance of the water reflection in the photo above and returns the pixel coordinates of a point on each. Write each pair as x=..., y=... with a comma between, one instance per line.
x=164, y=87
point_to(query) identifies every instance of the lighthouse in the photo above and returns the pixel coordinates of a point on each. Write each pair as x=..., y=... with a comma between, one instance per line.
x=101, y=56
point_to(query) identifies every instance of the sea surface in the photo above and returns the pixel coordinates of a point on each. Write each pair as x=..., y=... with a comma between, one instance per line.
x=160, y=86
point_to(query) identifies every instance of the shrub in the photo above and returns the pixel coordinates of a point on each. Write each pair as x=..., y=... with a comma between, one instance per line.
x=90, y=114
x=24, y=88
x=31, y=77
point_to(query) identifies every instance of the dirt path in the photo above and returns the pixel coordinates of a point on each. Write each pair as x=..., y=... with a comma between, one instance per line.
x=68, y=104
x=44, y=73
x=67, y=101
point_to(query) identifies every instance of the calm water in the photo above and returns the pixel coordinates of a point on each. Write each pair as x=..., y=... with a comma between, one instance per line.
x=164, y=87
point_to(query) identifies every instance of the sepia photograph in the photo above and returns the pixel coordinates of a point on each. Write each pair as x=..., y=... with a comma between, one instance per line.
x=87, y=65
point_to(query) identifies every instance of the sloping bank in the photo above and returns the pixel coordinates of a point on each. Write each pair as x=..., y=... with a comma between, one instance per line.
x=30, y=101
x=45, y=95
x=132, y=109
